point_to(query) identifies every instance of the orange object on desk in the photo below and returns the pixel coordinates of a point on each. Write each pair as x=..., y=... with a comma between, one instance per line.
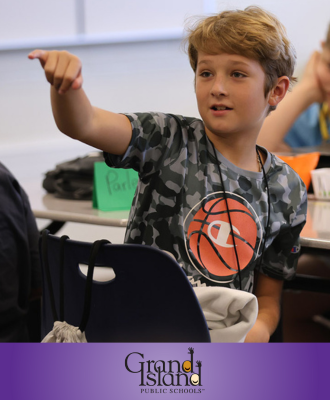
x=303, y=164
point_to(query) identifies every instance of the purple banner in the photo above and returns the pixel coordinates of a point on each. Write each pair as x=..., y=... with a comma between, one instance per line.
x=164, y=371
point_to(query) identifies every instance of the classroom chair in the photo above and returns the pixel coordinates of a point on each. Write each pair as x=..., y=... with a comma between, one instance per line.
x=149, y=298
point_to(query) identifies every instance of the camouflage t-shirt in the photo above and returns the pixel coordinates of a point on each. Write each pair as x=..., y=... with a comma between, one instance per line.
x=179, y=204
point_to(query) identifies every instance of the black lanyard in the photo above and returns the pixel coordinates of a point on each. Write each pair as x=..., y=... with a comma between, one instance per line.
x=229, y=218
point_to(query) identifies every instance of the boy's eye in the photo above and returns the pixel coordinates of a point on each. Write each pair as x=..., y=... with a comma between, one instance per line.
x=205, y=74
x=238, y=75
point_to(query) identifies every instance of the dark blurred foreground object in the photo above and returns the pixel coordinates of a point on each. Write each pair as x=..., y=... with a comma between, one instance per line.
x=73, y=179
x=20, y=274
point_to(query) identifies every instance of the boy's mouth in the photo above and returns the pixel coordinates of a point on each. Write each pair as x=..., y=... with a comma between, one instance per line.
x=220, y=108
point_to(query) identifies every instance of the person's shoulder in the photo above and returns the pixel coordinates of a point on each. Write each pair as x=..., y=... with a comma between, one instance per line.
x=313, y=109
x=5, y=175
x=287, y=185
x=280, y=166
x=186, y=121
x=163, y=118
x=9, y=184
x=310, y=116
x=286, y=174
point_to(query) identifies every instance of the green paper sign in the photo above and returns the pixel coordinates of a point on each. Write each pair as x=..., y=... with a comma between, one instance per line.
x=113, y=188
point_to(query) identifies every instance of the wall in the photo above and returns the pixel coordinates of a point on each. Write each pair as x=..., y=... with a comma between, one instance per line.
x=125, y=76
x=144, y=70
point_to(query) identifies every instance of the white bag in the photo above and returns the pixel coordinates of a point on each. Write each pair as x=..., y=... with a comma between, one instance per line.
x=229, y=313
x=65, y=333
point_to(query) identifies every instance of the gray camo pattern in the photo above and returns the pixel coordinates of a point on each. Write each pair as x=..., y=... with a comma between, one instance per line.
x=177, y=169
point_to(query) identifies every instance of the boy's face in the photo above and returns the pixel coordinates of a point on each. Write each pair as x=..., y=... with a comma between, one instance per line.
x=230, y=95
x=323, y=71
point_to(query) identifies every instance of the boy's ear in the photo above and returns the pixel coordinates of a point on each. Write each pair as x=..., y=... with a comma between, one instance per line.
x=279, y=91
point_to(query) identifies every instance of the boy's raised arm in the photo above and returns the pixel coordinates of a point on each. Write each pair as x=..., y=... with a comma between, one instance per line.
x=278, y=123
x=73, y=113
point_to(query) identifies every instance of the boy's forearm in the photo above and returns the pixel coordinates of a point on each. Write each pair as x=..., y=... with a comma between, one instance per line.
x=72, y=112
x=268, y=292
x=267, y=320
x=269, y=312
x=77, y=118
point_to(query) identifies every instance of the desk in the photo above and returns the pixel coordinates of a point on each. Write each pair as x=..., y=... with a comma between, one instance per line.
x=314, y=240
x=315, y=237
x=316, y=232
x=46, y=206
x=323, y=149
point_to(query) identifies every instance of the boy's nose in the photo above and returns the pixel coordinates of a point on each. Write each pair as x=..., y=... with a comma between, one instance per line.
x=219, y=88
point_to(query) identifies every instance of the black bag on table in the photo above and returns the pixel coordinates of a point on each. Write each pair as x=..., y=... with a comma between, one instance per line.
x=73, y=179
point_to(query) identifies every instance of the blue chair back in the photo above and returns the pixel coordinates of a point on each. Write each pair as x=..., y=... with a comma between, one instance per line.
x=149, y=300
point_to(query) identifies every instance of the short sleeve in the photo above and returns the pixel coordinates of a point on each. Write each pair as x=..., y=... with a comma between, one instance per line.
x=281, y=257
x=155, y=136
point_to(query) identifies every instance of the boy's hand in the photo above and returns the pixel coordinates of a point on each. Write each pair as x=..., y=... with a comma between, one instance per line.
x=310, y=79
x=62, y=69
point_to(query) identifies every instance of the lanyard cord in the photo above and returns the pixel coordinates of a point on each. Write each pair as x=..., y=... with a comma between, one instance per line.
x=323, y=116
x=268, y=217
x=229, y=218
x=228, y=213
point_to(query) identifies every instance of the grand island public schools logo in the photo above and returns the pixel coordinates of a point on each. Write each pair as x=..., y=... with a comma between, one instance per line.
x=170, y=376
x=209, y=240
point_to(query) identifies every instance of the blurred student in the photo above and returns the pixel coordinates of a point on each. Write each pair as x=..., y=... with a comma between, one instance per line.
x=20, y=274
x=303, y=117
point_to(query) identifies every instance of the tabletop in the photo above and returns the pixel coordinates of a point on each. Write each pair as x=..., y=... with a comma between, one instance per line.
x=47, y=206
x=316, y=232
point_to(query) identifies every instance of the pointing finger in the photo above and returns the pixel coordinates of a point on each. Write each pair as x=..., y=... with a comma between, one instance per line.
x=41, y=55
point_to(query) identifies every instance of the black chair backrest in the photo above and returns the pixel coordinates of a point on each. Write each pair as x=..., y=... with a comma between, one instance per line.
x=149, y=300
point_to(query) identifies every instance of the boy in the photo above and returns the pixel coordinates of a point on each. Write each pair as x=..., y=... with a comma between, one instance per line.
x=303, y=118
x=202, y=188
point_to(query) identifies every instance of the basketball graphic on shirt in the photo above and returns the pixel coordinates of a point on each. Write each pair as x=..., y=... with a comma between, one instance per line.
x=210, y=242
